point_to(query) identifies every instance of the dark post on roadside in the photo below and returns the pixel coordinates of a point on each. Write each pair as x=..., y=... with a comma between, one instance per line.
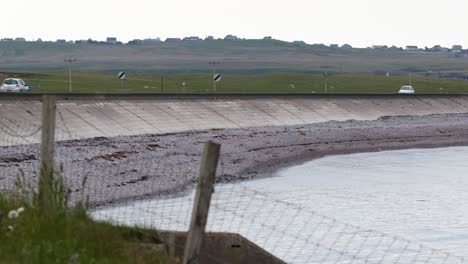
x=162, y=83
x=49, y=106
x=205, y=189
x=214, y=63
x=70, y=60
x=326, y=77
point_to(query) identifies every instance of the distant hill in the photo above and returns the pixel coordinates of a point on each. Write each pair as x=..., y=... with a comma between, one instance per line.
x=236, y=56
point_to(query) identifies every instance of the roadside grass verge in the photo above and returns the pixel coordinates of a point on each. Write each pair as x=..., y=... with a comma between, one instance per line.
x=94, y=82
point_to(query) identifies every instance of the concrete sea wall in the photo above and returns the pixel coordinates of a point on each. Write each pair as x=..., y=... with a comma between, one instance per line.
x=94, y=116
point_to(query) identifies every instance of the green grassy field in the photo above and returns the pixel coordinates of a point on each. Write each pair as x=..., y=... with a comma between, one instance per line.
x=236, y=57
x=271, y=83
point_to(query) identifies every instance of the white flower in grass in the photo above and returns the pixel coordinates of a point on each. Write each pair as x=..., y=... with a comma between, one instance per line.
x=20, y=210
x=13, y=214
x=10, y=228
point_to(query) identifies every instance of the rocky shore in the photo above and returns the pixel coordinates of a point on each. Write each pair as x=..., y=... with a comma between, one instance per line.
x=120, y=169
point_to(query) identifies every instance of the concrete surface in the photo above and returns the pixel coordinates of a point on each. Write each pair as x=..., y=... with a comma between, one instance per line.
x=219, y=248
x=20, y=119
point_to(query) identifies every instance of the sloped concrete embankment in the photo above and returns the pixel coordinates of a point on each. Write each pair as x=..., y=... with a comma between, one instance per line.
x=20, y=120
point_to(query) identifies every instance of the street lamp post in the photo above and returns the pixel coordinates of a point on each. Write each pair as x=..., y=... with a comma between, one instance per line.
x=70, y=60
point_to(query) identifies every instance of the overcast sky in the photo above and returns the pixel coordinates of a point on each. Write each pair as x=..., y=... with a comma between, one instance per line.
x=358, y=22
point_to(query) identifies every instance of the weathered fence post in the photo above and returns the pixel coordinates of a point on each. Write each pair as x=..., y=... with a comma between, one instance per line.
x=202, y=201
x=47, y=147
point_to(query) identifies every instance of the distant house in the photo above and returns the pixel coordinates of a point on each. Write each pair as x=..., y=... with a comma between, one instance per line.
x=411, y=48
x=209, y=38
x=268, y=38
x=111, y=40
x=346, y=46
x=192, y=38
x=81, y=41
x=457, y=48
x=436, y=48
x=61, y=41
x=149, y=41
x=7, y=39
x=439, y=48
x=173, y=40
x=135, y=42
x=20, y=40
x=395, y=48
x=231, y=37
x=379, y=47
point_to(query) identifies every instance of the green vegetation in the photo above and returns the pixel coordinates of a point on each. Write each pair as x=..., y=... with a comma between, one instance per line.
x=33, y=233
x=272, y=83
x=236, y=57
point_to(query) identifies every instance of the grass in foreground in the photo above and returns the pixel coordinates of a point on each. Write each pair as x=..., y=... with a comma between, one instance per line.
x=29, y=234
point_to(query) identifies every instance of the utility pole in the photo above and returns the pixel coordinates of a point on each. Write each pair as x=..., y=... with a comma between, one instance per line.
x=409, y=76
x=326, y=76
x=213, y=64
x=70, y=60
x=162, y=83
x=326, y=85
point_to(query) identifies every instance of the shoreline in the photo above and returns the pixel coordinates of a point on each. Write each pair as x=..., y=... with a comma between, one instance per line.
x=124, y=169
x=290, y=162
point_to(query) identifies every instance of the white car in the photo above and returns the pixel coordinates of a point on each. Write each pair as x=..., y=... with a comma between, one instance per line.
x=406, y=89
x=14, y=85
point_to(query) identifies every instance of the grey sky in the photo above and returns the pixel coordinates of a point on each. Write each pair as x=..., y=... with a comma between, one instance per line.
x=358, y=22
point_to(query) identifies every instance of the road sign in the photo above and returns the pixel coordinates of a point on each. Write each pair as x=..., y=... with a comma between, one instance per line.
x=217, y=77
x=121, y=75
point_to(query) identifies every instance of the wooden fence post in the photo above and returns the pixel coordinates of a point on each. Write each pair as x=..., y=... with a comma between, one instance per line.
x=202, y=201
x=47, y=147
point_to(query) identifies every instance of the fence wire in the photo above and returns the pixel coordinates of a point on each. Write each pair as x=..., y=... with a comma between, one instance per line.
x=291, y=232
x=122, y=178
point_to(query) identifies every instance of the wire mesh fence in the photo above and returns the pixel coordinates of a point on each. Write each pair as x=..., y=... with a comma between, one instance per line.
x=291, y=232
x=121, y=178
